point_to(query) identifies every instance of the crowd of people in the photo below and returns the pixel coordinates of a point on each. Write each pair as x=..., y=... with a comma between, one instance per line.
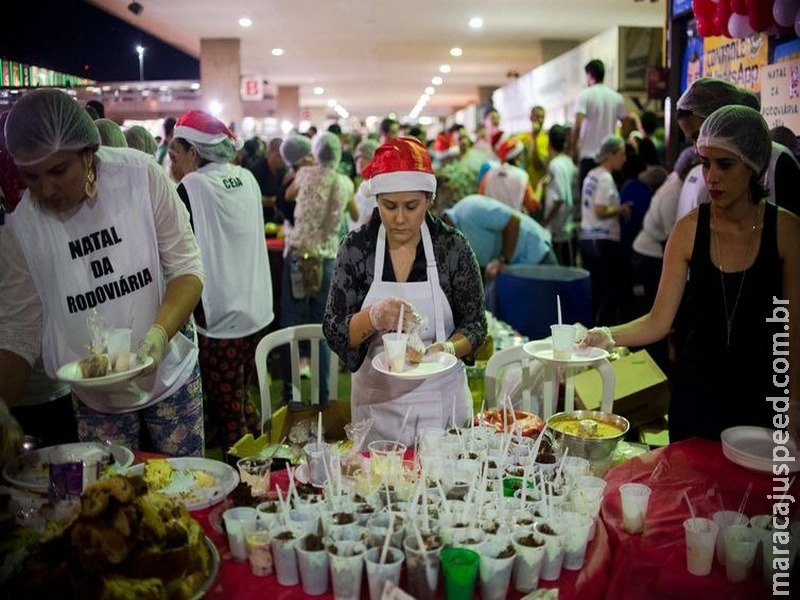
x=372, y=223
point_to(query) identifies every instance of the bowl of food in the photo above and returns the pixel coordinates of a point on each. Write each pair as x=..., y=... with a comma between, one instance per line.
x=589, y=434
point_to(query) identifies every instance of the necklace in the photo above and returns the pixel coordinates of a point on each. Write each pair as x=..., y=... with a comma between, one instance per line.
x=729, y=315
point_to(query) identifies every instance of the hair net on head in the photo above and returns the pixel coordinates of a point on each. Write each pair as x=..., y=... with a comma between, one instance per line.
x=221, y=152
x=611, y=143
x=366, y=149
x=295, y=149
x=741, y=131
x=44, y=122
x=139, y=138
x=707, y=94
x=327, y=149
x=110, y=133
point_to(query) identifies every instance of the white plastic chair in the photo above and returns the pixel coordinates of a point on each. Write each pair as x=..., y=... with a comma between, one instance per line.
x=497, y=362
x=293, y=336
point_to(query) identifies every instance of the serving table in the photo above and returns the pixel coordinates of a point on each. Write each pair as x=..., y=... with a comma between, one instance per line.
x=653, y=564
x=235, y=582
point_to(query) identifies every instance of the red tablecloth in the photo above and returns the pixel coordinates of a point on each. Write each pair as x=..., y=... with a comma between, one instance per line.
x=653, y=564
x=235, y=582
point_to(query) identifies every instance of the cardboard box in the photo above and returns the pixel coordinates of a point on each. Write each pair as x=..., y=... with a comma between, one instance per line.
x=641, y=394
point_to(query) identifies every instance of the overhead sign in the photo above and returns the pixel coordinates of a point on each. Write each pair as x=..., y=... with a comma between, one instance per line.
x=739, y=61
x=252, y=88
x=780, y=94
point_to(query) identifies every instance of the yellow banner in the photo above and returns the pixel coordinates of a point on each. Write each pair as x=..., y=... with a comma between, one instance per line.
x=738, y=61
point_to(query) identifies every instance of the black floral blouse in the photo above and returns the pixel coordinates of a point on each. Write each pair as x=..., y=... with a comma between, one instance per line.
x=459, y=277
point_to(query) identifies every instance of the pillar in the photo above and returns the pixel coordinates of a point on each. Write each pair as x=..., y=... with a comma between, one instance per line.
x=220, y=78
x=289, y=104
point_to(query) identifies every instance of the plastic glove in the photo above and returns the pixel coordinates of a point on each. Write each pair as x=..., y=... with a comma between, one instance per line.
x=599, y=337
x=446, y=347
x=153, y=345
x=493, y=269
x=385, y=313
x=11, y=435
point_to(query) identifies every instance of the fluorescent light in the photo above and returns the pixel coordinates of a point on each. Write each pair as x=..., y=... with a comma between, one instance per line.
x=319, y=91
x=331, y=102
x=430, y=90
x=476, y=22
x=277, y=52
x=437, y=80
x=444, y=69
x=245, y=22
x=456, y=51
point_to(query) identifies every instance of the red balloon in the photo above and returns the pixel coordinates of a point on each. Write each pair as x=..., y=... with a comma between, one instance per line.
x=703, y=9
x=739, y=6
x=706, y=27
x=722, y=16
x=760, y=14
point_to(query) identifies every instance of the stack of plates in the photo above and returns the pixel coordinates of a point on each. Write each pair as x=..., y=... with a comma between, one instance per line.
x=751, y=447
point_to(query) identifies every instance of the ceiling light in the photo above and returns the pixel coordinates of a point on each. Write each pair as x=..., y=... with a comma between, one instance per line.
x=331, y=102
x=437, y=80
x=135, y=8
x=425, y=98
x=430, y=90
x=476, y=22
x=277, y=52
x=444, y=69
x=319, y=91
x=215, y=107
x=456, y=51
x=245, y=22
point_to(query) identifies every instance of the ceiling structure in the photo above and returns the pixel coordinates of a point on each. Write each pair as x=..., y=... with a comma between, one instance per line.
x=377, y=57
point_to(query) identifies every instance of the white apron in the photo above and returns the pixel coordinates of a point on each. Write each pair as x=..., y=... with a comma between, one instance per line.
x=386, y=399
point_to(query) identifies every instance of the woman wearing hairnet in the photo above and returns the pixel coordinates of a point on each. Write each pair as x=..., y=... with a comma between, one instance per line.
x=733, y=268
x=321, y=194
x=600, y=235
x=101, y=231
x=224, y=203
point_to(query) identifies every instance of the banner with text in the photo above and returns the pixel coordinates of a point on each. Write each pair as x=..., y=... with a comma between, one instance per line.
x=739, y=61
x=780, y=94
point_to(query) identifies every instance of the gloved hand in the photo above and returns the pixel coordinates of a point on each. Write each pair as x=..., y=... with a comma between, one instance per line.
x=11, y=435
x=446, y=347
x=599, y=337
x=153, y=345
x=385, y=313
x=493, y=268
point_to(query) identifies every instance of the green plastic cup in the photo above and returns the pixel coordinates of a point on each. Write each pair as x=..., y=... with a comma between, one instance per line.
x=460, y=568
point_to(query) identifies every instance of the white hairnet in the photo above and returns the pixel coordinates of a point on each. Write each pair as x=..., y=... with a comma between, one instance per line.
x=707, y=94
x=741, y=131
x=611, y=143
x=295, y=148
x=327, y=149
x=44, y=122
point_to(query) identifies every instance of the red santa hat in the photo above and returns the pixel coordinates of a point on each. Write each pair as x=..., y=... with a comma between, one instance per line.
x=199, y=127
x=400, y=165
x=508, y=148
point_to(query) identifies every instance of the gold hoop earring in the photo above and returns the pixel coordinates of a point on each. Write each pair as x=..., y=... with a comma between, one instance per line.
x=91, y=183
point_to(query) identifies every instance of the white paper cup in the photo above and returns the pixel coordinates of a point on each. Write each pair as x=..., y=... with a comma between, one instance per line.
x=554, y=534
x=773, y=548
x=723, y=519
x=284, y=556
x=315, y=462
x=635, y=498
x=740, y=551
x=495, y=572
x=563, y=340
x=422, y=569
x=395, y=346
x=118, y=345
x=578, y=527
x=346, y=559
x=255, y=472
x=379, y=574
x=528, y=561
x=700, y=535
x=313, y=566
x=239, y=522
x=259, y=554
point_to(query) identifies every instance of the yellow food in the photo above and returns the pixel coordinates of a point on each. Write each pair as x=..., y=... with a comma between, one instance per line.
x=157, y=473
x=203, y=479
x=586, y=428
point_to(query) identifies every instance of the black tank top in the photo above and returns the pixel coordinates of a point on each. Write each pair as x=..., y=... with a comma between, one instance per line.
x=727, y=385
